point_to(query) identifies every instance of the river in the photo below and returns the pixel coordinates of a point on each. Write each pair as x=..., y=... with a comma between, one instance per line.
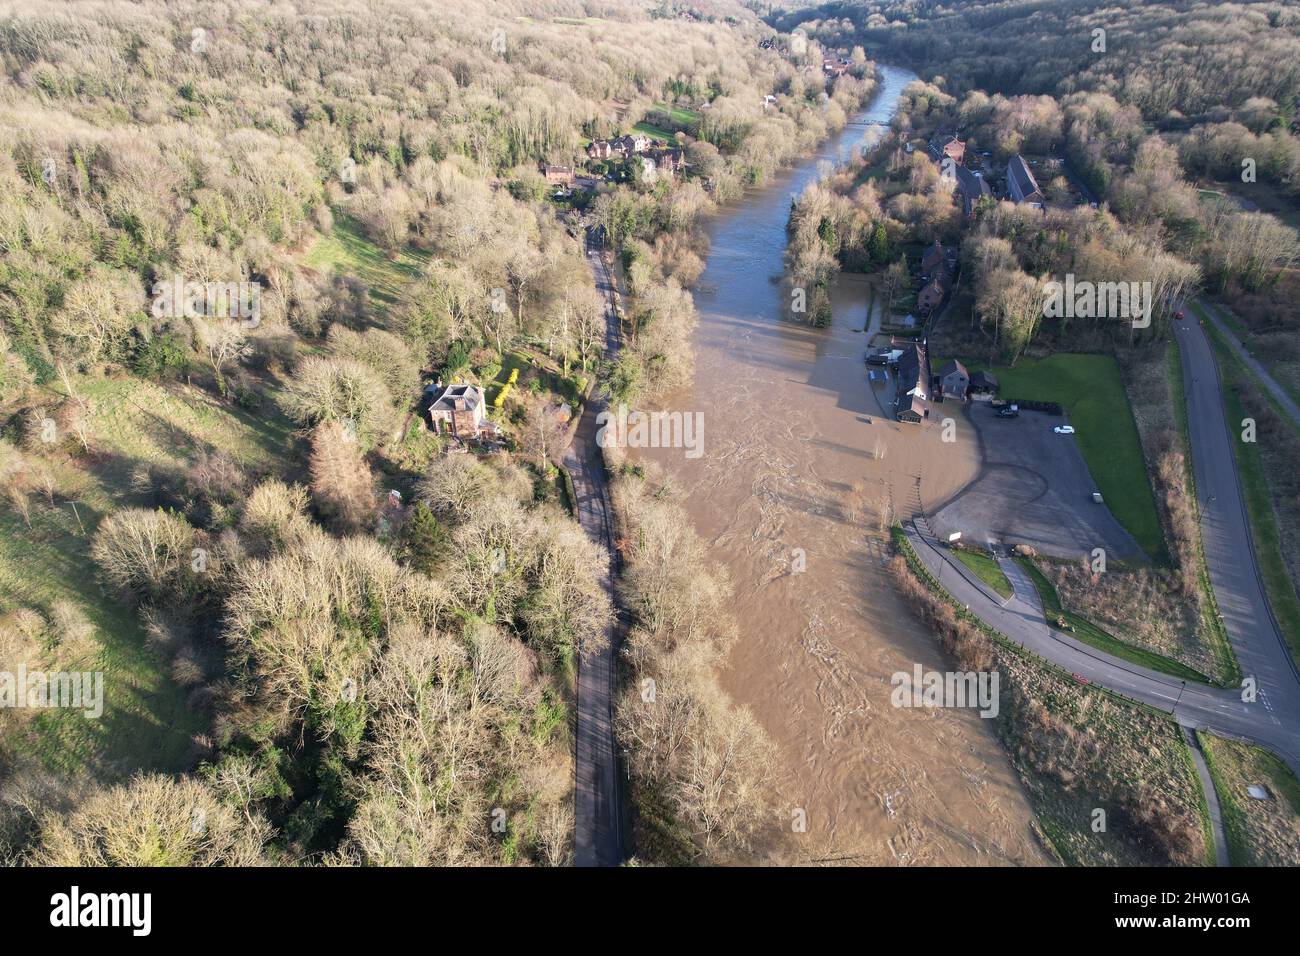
x=794, y=435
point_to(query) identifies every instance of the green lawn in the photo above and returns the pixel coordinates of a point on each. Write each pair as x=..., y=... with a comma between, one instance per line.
x=986, y=569
x=657, y=132
x=1259, y=502
x=1090, y=389
x=678, y=113
x=1088, y=632
x=346, y=251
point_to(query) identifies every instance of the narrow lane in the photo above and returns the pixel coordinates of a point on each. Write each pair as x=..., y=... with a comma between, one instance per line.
x=599, y=839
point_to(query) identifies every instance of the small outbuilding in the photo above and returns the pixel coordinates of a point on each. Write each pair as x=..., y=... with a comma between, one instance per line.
x=983, y=383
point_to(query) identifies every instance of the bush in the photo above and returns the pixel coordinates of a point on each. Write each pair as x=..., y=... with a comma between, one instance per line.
x=146, y=555
x=162, y=358
x=339, y=390
x=152, y=821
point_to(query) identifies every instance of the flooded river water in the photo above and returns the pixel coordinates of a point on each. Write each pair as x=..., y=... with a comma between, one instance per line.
x=799, y=460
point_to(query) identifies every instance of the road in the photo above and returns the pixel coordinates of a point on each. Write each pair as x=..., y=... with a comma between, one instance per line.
x=1272, y=719
x=1280, y=395
x=599, y=838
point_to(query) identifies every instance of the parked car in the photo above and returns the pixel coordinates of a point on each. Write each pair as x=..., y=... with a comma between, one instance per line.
x=1180, y=315
x=1064, y=429
x=1096, y=496
x=1008, y=411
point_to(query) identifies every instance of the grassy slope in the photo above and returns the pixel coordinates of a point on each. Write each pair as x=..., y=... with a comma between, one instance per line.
x=347, y=252
x=1283, y=371
x=1090, y=633
x=986, y=569
x=1281, y=592
x=1090, y=389
x=1259, y=832
x=146, y=723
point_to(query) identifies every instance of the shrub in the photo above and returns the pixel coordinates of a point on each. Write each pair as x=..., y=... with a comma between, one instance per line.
x=152, y=821
x=339, y=390
x=145, y=555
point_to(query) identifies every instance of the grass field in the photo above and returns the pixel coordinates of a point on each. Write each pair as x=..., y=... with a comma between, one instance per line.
x=1088, y=632
x=347, y=252
x=678, y=113
x=1264, y=531
x=657, y=132
x=986, y=569
x=1259, y=832
x=1091, y=391
x=147, y=722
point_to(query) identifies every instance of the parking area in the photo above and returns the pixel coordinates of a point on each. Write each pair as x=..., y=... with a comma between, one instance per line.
x=1033, y=488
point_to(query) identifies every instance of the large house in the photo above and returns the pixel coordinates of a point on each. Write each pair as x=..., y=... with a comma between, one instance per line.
x=558, y=175
x=1021, y=185
x=938, y=267
x=669, y=161
x=911, y=400
x=933, y=293
x=459, y=409
x=622, y=147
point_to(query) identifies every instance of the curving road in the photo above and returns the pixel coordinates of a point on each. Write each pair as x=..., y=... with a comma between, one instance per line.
x=598, y=803
x=1273, y=718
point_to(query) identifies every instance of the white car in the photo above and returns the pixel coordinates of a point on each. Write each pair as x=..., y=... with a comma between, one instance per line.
x=1064, y=429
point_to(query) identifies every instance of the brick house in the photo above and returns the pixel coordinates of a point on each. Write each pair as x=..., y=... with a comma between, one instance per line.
x=558, y=175
x=460, y=410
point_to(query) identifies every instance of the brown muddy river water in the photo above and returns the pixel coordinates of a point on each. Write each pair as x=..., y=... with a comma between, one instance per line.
x=795, y=433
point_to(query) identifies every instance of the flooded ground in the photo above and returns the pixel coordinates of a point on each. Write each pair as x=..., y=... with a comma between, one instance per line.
x=800, y=459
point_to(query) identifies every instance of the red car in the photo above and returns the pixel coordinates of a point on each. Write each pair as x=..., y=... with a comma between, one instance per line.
x=1180, y=315
x=1081, y=679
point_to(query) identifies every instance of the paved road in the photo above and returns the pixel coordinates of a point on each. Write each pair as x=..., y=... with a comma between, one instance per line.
x=1273, y=718
x=1225, y=534
x=599, y=839
x=1283, y=398
x=1021, y=619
